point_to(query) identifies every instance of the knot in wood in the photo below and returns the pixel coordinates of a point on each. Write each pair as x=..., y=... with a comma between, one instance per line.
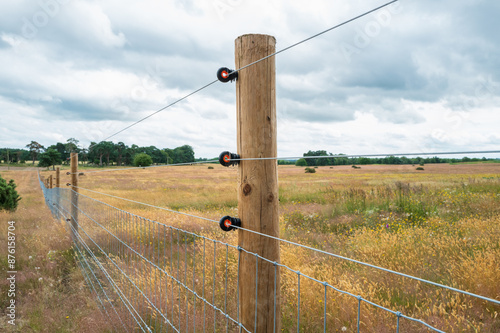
x=270, y=197
x=247, y=189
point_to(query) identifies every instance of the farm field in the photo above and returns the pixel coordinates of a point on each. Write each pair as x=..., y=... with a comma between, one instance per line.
x=440, y=224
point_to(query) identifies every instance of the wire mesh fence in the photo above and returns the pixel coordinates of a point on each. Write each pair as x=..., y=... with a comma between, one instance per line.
x=151, y=277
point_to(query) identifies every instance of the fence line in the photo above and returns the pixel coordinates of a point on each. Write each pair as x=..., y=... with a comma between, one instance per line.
x=300, y=157
x=148, y=272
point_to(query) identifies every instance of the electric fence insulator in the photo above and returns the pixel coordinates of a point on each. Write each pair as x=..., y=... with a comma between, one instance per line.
x=227, y=159
x=228, y=223
x=225, y=74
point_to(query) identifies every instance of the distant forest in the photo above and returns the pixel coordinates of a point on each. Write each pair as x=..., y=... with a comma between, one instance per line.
x=107, y=153
x=331, y=159
x=104, y=153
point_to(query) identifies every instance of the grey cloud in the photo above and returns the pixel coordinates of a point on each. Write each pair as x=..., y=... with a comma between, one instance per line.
x=314, y=111
x=80, y=110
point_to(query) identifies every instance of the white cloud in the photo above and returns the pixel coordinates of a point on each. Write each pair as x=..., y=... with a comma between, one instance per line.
x=86, y=22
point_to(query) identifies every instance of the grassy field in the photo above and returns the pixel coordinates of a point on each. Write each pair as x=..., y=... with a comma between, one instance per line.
x=440, y=224
x=50, y=292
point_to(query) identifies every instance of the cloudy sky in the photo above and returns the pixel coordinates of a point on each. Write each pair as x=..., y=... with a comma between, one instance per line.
x=417, y=76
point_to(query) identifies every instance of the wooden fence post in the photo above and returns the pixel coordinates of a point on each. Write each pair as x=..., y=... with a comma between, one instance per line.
x=58, y=177
x=257, y=184
x=74, y=193
x=51, y=182
x=58, y=191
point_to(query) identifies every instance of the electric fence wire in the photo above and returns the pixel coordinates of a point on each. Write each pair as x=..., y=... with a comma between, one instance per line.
x=317, y=35
x=302, y=246
x=370, y=155
x=145, y=204
x=302, y=157
x=160, y=110
x=54, y=202
x=152, y=166
x=251, y=64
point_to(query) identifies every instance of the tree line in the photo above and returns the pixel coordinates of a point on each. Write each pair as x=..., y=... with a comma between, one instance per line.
x=108, y=153
x=105, y=153
x=341, y=159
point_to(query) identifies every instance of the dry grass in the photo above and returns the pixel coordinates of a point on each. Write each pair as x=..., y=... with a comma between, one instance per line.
x=441, y=224
x=51, y=296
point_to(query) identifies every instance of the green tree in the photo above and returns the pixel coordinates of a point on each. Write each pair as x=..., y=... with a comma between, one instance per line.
x=109, y=150
x=35, y=148
x=183, y=154
x=72, y=145
x=19, y=154
x=9, y=197
x=364, y=161
x=100, y=150
x=168, y=155
x=5, y=156
x=50, y=158
x=61, y=148
x=142, y=160
x=121, y=149
x=130, y=152
x=84, y=153
x=318, y=161
x=301, y=162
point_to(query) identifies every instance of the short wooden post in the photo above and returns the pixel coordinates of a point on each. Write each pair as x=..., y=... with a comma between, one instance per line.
x=51, y=182
x=58, y=177
x=74, y=192
x=257, y=184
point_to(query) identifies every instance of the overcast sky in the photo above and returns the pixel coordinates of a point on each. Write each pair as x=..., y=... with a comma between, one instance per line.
x=418, y=76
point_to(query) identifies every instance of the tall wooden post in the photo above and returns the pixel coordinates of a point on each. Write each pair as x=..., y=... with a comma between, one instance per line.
x=58, y=177
x=257, y=184
x=74, y=193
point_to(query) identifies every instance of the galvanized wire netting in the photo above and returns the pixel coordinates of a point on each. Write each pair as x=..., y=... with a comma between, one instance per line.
x=151, y=277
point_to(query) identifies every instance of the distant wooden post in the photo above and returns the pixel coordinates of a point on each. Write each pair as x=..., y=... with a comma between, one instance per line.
x=74, y=193
x=51, y=182
x=58, y=177
x=257, y=183
x=58, y=192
